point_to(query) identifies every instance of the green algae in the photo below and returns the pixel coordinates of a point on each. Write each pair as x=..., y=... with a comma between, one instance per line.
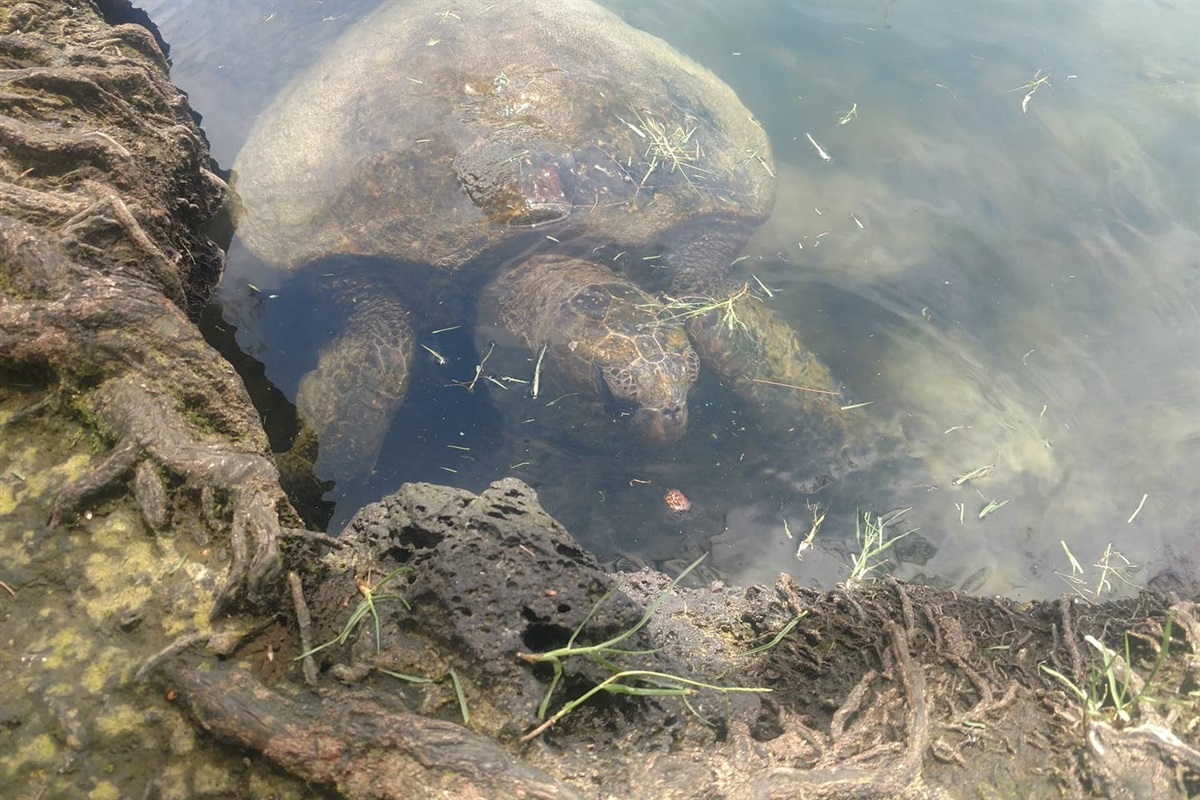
x=181, y=736
x=210, y=779
x=269, y=786
x=104, y=791
x=106, y=672
x=37, y=753
x=125, y=549
x=122, y=721
x=92, y=603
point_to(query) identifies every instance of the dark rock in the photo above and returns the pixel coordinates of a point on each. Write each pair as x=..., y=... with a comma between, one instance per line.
x=493, y=576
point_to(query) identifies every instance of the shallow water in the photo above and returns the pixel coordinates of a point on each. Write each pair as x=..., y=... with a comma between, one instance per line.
x=1009, y=275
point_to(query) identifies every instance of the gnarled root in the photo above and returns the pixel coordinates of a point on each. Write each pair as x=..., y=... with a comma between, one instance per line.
x=144, y=377
x=147, y=426
x=836, y=775
x=351, y=741
x=105, y=197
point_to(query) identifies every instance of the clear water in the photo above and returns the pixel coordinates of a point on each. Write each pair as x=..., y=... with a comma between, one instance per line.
x=1012, y=279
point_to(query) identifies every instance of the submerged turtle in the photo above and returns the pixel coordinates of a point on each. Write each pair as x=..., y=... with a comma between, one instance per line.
x=558, y=164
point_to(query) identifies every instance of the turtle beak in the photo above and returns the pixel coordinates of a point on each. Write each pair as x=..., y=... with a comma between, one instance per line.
x=661, y=425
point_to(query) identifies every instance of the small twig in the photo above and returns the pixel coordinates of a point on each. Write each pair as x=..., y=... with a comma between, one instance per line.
x=794, y=386
x=304, y=622
x=175, y=647
x=316, y=537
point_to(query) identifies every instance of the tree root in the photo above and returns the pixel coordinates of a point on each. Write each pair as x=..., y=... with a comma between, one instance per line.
x=191, y=420
x=349, y=741
x=831, y=778
x=304, y=624
x=104, y=185
x=148, y=427
x=100, y=150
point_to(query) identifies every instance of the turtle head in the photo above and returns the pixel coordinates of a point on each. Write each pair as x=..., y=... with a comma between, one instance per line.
x=647, y=375
x=603, y=339
x=661, y=425
x=527, y=185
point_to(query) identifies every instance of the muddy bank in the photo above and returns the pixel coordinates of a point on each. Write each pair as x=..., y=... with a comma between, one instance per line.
x=162, y=604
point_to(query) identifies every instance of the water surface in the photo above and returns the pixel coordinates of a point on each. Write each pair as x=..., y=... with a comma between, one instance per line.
x=1000, y=254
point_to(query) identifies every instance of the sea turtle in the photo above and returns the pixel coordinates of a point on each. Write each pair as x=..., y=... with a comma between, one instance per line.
x=565, y=168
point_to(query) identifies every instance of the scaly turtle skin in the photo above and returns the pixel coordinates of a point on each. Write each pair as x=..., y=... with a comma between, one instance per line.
x=603, y=335
x=540, y=145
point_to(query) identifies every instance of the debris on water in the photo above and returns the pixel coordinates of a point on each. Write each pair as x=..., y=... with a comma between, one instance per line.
x=677, y=501
x=820, y=150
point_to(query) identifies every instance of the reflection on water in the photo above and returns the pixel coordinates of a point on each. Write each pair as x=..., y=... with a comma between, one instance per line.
x=1012, y=288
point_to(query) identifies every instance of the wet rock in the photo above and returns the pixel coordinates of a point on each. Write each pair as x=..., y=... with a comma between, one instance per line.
x=493, y=576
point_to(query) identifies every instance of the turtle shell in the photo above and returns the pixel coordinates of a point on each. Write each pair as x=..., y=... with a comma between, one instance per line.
x=437, y=131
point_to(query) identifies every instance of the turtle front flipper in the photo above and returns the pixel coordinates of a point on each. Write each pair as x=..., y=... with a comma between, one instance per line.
x=361, y=376
x=759, y=357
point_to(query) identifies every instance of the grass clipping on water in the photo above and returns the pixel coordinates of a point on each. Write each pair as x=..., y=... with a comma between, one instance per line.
x=674, y=310
x=874, y=540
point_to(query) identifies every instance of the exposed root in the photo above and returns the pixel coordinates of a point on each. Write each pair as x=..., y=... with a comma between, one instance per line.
x=173, y=649
x=100, y=479
x=1184, y=615
x=304, y=624
x=348, y=742
x=147, y=427
x=852, y=704
x=1067, y=632
x=831, y=777
x=93, y=333
x=100, y=259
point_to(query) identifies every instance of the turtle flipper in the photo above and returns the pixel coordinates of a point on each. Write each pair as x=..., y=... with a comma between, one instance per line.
x=791, y=392
x=358, y=385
